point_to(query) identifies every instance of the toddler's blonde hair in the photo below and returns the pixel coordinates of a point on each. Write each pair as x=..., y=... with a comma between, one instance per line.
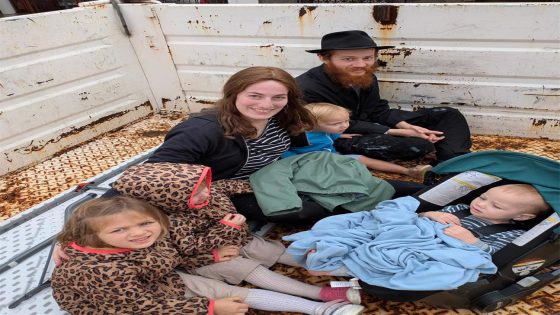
x=321, y=111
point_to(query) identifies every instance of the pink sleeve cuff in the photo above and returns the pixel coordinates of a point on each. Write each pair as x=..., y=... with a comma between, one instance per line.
x=211, y=307
x=230, y=224
x=215, y=254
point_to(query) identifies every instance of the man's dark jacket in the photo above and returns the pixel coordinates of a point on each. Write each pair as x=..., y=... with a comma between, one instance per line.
x=317, y=86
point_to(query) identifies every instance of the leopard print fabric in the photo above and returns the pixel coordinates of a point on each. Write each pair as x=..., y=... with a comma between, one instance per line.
x=196, y=237
x=140, y=281
x=169, y=187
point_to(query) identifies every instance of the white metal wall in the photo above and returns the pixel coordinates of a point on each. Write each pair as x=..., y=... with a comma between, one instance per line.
x=70, y=75
x=497, y=63
x=65, y=77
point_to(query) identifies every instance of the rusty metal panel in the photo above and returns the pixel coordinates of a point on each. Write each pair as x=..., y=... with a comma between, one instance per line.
x=65, y=77
x=491, y=61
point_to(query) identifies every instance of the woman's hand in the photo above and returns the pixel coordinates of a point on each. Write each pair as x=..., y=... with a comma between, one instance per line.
x=226, y=253
x=235, y=218
x=441, y=217
x=230, y=306
x=59, y=255
x=461, y=233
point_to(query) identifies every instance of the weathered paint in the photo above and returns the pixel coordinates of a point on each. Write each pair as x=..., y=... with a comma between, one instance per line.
x=445, y=55
x=65, y=77
x=62, y=71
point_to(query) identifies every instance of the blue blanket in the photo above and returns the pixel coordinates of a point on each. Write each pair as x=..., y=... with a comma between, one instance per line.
x=391, y=247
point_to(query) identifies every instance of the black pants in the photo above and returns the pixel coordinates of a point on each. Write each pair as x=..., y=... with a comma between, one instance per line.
x=385, y=147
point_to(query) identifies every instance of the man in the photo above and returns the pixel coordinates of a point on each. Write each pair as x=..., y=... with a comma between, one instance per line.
x=346, y=78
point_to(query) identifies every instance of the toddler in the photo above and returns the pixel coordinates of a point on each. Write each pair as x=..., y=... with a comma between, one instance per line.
x=331, y=122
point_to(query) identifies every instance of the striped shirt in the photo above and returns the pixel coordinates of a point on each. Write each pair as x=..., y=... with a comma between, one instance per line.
x=264, y=150
x=489, y=243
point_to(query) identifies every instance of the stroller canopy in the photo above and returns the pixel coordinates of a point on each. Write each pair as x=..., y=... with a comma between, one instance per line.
x=542, y=173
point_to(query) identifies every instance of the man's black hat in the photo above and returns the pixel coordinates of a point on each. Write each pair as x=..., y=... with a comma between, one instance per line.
x=346, y=40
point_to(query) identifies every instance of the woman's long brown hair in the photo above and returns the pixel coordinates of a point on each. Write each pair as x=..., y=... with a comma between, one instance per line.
x=294, y=118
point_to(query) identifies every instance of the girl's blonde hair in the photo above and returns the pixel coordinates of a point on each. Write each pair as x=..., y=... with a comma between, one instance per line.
x=80, y=227
x=322, y=111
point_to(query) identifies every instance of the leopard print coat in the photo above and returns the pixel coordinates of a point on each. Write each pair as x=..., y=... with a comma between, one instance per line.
x=196, y=237
x=169, y=186
x=139, y=281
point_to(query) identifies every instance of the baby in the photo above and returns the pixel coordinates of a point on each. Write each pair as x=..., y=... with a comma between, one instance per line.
x=499, y=205
x=506, y=204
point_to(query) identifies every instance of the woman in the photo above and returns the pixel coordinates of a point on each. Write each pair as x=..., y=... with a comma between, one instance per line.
x=260, y=109
x=260, y=116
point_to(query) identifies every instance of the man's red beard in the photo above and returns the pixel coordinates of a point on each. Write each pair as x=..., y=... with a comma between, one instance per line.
x=363, y=81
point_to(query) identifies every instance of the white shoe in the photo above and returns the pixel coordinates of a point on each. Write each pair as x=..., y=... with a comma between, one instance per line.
x=349, y=309
x=354, y=296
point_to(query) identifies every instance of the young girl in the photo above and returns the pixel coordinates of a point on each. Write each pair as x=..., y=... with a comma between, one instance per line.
x=332, y=121
x=182, y=189
x=124, y=260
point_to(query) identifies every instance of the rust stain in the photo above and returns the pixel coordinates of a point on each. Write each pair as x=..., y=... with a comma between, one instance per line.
x=164, y=101
x=539, y=122
x=204, y=102
x=152, y=133
x=34, y=148
x=306, y=9
x=385, y=14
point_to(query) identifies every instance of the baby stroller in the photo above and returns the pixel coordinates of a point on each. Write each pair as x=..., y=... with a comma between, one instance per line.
x=460, y=180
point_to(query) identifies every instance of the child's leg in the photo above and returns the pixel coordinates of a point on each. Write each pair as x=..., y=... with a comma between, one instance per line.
x=383, y=166
x=288, y=259
x=266, y=279
x=417, y=172
x=274, y=301
x=263, y=299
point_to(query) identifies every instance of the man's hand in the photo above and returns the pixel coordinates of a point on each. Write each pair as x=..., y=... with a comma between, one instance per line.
x=441, y=217
x=460, y=233
x=226, y=253
x=408, y=130
x=230, y=306
x=59, y=255
x=349, y=135
x=234, y=218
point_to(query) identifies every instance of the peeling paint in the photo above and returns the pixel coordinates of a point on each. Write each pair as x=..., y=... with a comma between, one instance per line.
x=539, y=122
x=267, y=22
x=164, y=101
x=381, y=63
x=204, y=102
x=385, y=14
x=41, y=82
x=307, y=9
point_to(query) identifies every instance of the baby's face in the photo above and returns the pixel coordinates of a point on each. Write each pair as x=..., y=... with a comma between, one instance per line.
x=497, y=206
